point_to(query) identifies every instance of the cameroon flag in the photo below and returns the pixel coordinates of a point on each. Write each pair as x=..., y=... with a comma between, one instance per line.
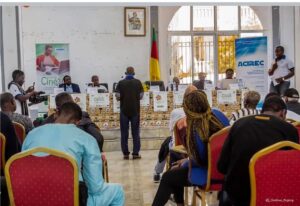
x=154, y=64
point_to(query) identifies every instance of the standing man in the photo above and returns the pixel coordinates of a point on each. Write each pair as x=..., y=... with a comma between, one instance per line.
x=68, y=86
x=21, y=96
x=129, y=92
x=281, y=72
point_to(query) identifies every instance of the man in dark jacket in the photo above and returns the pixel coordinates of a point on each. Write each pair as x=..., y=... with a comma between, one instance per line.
x=247, y=136
x=68, y=86
x=129, y=91
x=86, y=124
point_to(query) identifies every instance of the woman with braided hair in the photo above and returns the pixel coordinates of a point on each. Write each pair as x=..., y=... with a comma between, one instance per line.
x=202, y=122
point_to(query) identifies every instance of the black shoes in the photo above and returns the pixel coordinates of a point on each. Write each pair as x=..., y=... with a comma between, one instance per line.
x=134, y=157
x=156, y=178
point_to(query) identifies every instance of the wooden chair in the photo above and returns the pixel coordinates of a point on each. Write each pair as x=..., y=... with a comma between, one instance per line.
x=274, y=175
x=20, y=131
x=2, y=152
x=104, y=168
x=50, y=179
x=214, y=177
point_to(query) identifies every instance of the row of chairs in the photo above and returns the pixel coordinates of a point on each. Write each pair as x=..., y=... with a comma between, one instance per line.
x=41, y=180
x=262, y=164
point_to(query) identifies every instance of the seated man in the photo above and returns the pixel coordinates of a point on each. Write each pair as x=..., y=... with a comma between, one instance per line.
x=225, y=83
x=85, y=123
x=8, y=106
x=96, y=83
x=174, y=85
x=66, y=137
x=246, y=137
x=291, y=98
x=12, y=147
x=250, y=102
x=68, y=86
x=200, y=84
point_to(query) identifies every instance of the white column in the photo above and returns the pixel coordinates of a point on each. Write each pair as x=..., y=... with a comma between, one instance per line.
x=297, y=47
x=10, y=50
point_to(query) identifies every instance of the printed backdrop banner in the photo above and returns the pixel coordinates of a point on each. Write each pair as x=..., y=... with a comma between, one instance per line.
x=52, y=64
x=251, y=63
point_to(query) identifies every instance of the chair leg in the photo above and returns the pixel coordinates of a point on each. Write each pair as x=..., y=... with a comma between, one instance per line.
x=194, y=198
x=203, y=198
x=186, y=196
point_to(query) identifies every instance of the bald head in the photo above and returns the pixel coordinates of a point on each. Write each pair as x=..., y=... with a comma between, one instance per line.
x=189, y=89
x=130, y=71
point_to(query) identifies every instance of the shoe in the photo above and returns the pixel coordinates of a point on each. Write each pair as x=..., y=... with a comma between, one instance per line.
x=134, y=157
x=156, y=178
x=126, y=157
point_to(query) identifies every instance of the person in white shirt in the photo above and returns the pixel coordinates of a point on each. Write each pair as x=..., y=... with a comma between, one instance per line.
x=225, y=83
x=21, y=96
x=281, y=72
x=95, y=83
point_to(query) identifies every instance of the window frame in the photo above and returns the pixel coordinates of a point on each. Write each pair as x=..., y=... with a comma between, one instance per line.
x=215, y=33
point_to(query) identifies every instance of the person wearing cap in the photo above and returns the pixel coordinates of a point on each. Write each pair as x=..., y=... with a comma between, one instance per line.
x=291, y=98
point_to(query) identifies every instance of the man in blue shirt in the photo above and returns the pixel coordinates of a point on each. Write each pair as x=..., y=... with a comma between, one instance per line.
x=68, y=86
x=66, y=137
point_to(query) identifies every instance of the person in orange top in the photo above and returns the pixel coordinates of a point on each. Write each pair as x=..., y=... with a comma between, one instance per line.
x=47, y=59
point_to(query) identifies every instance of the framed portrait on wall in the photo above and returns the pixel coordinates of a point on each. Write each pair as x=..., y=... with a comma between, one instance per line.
x=135, y=21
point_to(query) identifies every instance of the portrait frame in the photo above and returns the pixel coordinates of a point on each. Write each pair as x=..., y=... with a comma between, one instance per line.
x=134, y=21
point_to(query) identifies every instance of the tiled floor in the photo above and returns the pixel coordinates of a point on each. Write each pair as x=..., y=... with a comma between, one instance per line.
x=136, y=176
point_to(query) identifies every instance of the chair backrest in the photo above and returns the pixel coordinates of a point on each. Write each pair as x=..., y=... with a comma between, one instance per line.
x=274, y=175
x=297, y=125
x=48, y=179
x=2, y=152
x=115, y=84
x=20, y=131
x=180, y=131
x=214, y=177
x=105, y=85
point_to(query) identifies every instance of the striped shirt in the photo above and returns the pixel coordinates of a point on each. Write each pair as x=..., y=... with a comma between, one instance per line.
x=242, y=113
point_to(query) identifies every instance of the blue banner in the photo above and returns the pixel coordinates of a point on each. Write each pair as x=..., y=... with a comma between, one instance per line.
x=251, y=63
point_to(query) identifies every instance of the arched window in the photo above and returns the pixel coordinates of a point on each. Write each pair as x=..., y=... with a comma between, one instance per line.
x=202, y=39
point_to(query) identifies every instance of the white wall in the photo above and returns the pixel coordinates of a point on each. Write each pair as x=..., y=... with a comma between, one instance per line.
x=287, y=33
x=9, y=42
x=297, y=47
x=96, y=41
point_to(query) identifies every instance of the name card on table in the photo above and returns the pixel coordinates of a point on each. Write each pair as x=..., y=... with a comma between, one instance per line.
x=80, y=99
x=209, y=86
x=99, y=100
x=209, y=96
x=116, y=104
x=154, y=88
x=92, y=90
x=145, y=101
x=226, y=96
x=160, y=101
x=56, y=91
x=234, y=86
x=52, y=104
x=182, y=87
x=178, y=98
